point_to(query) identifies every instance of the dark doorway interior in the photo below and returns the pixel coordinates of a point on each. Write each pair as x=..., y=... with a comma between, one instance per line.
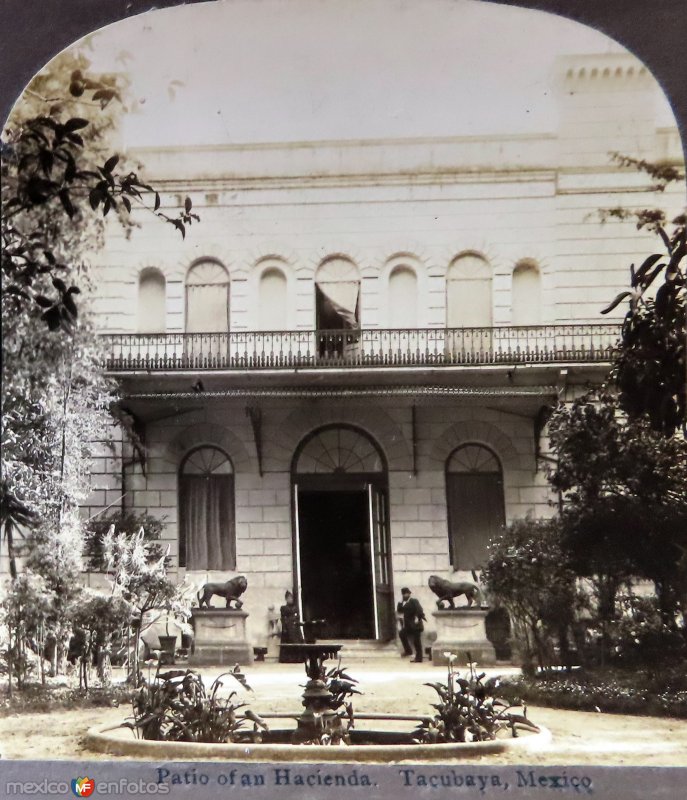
x=336, y=576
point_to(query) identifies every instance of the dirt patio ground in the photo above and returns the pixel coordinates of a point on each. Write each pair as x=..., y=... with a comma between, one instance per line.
x=578, y=737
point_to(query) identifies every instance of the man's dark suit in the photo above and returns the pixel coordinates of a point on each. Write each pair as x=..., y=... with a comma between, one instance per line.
x=411, y=632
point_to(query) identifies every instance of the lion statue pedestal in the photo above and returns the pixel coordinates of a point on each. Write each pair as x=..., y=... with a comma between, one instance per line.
x=220, y=637
x=461, y=631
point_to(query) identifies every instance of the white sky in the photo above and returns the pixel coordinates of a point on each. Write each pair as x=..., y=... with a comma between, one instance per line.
x=291, y=70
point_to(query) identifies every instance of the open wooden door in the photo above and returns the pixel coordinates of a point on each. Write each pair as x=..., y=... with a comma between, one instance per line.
x=385, y=621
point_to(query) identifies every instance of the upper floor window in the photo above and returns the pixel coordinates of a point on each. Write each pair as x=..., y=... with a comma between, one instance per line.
x=206, y=511
x=273, y=301
x=526, y=294
x=337, y=295
x=468, y=293
x=151, y=301
x=207, y=298
x=403, y=295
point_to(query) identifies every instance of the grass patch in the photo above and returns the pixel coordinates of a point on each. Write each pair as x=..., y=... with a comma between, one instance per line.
x=39, y=699
x=644, y=692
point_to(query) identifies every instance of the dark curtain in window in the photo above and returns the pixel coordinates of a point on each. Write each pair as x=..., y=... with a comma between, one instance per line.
x=207, y=522
x=476, y=515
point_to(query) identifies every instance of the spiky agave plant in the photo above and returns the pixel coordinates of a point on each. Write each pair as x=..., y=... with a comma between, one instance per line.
x=468, y=710
x=176, y=706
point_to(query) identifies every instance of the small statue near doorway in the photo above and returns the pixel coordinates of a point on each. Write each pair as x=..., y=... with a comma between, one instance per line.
x=291, y=627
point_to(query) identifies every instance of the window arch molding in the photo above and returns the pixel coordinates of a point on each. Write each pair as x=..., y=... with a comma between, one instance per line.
x=338, y=294
x=207, y=297
x=334, y=456
x=526, y=293
x=207, y=528
x=265, y=266
x=475, y=503
x=469, y=291
x=151, y=300
x=394, y=264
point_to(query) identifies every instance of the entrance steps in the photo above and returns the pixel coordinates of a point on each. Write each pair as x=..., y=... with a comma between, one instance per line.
x=356, y=650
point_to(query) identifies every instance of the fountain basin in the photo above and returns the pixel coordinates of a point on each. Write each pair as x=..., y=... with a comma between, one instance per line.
x=379, y=747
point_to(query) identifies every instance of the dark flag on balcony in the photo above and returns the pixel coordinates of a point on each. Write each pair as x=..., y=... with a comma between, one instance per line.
x=338, y=305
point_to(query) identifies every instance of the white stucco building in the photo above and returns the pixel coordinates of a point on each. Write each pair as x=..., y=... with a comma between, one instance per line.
x=340, y=378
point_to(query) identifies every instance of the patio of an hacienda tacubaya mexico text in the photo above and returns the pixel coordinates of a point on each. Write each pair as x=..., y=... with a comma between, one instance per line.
x=375, y=355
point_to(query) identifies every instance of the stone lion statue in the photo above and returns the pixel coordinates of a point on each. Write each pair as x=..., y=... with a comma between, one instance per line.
x=446, y=591
x=231, y=590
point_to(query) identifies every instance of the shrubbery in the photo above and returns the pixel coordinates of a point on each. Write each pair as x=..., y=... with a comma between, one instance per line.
x=647, y=692
x=528, y=574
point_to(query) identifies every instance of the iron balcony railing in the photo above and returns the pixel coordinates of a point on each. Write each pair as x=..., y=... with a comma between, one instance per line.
x=412, y=347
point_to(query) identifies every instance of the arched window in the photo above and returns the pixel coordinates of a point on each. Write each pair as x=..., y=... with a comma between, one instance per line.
x=206, y=511
x=526, y=294
x=403, y=298
x=474, y=494
x=338, y=449
x=273, y=301
x=207, y=298
x=151, y=301
x=337, y=295
x=468, y=293
x=337, y=307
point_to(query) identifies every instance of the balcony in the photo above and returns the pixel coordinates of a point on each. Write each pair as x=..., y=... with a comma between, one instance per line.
x=355, y=349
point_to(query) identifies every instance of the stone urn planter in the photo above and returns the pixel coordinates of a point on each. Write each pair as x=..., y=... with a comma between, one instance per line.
x=168, y=646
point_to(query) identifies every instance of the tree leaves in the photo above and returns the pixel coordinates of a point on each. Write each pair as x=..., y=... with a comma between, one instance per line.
x=616, y=302
x=49, y=166
x=110, y=164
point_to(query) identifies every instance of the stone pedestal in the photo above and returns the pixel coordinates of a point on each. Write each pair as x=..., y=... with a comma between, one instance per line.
x=462, y=631
x=220, y=637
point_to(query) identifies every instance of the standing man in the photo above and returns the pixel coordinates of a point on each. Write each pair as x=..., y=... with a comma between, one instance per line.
x=412, y=627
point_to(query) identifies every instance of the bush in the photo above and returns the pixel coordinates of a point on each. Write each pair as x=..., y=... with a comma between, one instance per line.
x=38, y=699
x=643, y=637
x=27, y=610
x=661, y=692
x=175, y=707
x=528, y=574
x=97, y=621
x=128, y=523
x=469, y=710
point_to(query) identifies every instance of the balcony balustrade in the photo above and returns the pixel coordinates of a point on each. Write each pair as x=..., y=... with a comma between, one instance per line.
x=375, y=347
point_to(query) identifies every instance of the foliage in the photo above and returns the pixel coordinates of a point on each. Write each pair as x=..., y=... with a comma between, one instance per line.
x=176, y=707
x=650, y=366
x=652, y=692
x=469, y=711
x=623, y=488
x=127, y=523
x=38, y=699
x=98, y=622
x=336, y=729
x=642, y=637
x=528, y=573
x=139, y=576
x=48, y=165
x=27, y=608
x=60, y=180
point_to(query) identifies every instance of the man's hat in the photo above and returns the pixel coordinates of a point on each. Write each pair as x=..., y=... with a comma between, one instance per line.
x=405, y=590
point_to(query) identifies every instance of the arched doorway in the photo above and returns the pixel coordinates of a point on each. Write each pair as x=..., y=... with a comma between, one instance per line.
x=342, y=569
